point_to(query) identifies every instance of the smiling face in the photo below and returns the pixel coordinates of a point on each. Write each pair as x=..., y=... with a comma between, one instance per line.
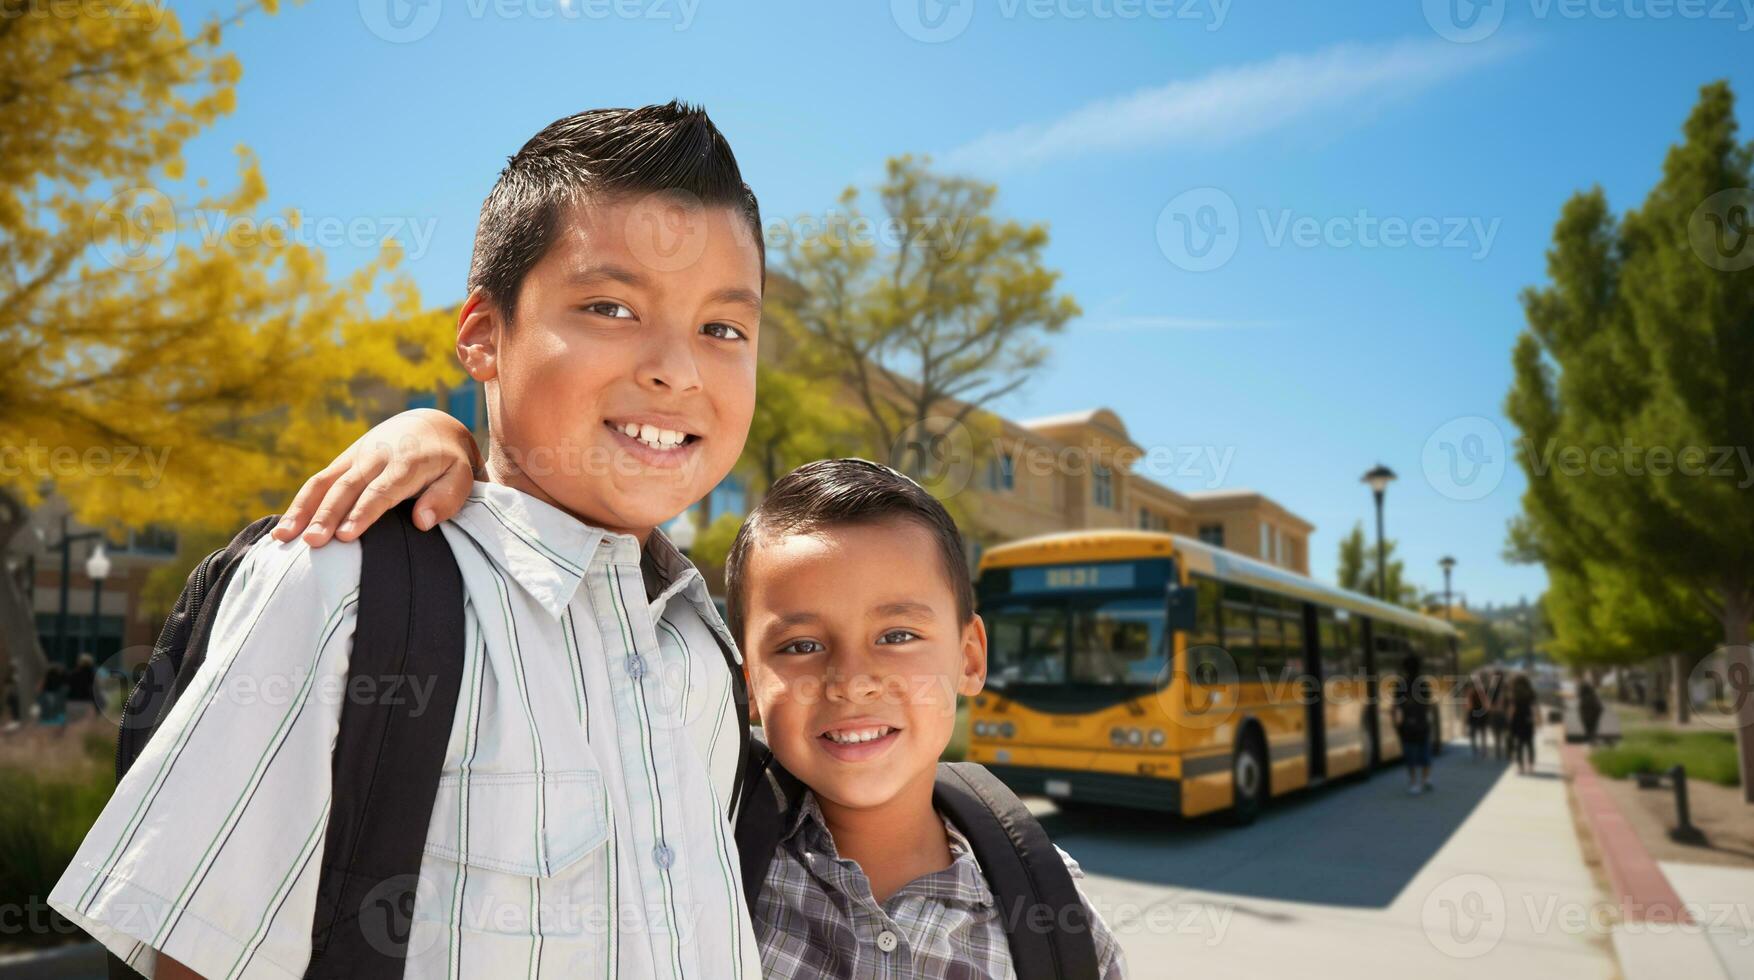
x=856, y=655
x=622, y=389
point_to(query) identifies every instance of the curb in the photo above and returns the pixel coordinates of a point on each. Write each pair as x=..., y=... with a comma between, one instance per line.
x=1640, y=887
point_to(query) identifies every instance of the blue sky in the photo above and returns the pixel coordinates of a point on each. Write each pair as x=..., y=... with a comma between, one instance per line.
x=1223, y=182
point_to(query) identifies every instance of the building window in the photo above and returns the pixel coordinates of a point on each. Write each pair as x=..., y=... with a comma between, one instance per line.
x=1102, y=485
x=1212, y=534
x=1150, y=521
x=1266, y=542
x=154, y=539
x=460, y=404
x=1001, y=471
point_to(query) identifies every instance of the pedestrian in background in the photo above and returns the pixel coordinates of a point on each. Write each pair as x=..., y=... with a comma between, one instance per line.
x=1589, y=710
x=1411, y=713
x=1498, y=712
x=80, y=688
x=1522, y=724
x=52, y=699
x=1475, y=699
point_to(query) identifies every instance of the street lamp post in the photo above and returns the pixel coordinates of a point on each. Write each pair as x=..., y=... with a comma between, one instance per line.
x=1379, y=479
x=1447, y=564
x=97, y=568
x=61, y=613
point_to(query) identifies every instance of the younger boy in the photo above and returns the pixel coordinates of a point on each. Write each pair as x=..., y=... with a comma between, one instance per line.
x=848, y=589
x=580, y=826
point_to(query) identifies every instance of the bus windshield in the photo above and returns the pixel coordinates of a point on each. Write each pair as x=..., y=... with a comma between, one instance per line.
x=1081, y=641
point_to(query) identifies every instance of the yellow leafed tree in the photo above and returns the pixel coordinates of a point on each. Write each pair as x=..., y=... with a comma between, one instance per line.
x=150, y=373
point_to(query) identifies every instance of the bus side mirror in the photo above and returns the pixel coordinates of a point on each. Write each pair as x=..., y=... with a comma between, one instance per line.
x=1183, y=607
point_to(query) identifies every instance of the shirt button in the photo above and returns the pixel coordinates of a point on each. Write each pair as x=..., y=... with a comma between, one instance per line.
x=636, y=666
x=886, y=941
x=664, y=856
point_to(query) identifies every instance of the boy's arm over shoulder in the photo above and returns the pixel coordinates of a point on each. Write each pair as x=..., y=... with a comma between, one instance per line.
x=209, y=850
x=1108, y=952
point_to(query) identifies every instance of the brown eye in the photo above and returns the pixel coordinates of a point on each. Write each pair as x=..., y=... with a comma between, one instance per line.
x=609, y=309
x=898, y=636
x=723, y=331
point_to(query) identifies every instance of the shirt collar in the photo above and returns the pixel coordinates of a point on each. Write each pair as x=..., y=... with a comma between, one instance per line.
x=547, y=552
x=962, y=882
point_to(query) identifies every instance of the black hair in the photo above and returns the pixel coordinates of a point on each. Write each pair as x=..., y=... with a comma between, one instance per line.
x=657, y=148
x=834, y=493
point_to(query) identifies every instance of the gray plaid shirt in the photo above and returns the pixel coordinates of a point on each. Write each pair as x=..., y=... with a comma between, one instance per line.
x=817, y=918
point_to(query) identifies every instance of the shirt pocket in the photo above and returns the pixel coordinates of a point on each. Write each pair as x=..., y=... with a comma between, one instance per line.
x=502, y=843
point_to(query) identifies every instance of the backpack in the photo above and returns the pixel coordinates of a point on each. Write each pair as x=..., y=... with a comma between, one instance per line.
x=387, y=757
x=1045, y=920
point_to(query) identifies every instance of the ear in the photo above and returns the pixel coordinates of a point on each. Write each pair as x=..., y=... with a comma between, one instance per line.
x=480, y=327
x=974, y=658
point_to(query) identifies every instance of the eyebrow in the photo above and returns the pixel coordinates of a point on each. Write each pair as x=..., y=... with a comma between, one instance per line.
x=899, y=608
x=732, y=295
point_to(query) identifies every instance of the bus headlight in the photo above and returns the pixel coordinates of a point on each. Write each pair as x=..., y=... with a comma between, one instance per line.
x=1006, y=730
x=1157, y=737
x=1135, y=737
x=982, y=729
x=1117, y=736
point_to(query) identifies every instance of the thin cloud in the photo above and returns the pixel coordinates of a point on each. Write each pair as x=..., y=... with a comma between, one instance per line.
x=1232, y=104
x=1178, y=323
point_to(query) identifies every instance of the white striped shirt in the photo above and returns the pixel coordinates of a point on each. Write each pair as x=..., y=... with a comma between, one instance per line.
x=580, y=824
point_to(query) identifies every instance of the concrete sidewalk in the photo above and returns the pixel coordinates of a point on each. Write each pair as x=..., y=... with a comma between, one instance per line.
x=1505, y=894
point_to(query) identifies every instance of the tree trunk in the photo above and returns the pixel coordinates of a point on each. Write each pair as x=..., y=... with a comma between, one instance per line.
x=1680, y=689
x=1739, y=671
x=18, y=627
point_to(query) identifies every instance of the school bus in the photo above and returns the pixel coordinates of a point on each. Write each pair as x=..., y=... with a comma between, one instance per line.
x=1150, y=670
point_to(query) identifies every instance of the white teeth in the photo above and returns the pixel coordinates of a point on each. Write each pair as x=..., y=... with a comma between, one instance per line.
x=651, y=435
x=857, y=736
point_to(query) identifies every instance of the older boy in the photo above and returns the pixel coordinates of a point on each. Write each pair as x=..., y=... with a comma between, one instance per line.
x=580, y=823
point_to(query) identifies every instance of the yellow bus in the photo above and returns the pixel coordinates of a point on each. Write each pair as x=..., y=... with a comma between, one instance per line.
x=1141, y=669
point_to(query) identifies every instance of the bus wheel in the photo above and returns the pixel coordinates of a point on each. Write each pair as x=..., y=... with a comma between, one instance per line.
x=1248, y=778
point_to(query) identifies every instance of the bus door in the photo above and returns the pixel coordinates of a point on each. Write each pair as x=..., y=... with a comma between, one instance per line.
x=1314, y=696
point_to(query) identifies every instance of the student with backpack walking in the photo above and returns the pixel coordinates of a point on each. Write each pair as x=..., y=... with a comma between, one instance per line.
x=1475, y=702
x=1498, y=712
x=1522, y=723
x=1410, y=710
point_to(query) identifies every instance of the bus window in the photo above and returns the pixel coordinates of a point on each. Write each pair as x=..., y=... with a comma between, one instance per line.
x=1293, y=626
x=1122, y=641
x=1239, y=630
x=1028, y=644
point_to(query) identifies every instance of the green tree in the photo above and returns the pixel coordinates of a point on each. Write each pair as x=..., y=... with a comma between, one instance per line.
x=931, y=311
x=1632, y=374
x=155, y=373
x=1357, y=570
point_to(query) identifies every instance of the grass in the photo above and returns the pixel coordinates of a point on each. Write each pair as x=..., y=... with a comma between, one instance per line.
x=1710, y=756
x=53, y=785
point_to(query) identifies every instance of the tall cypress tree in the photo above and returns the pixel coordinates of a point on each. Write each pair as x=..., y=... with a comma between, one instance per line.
x=1632, y=393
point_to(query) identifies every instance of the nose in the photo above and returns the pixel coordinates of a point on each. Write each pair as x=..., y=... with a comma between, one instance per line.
x=849, y=681
x=668, y=363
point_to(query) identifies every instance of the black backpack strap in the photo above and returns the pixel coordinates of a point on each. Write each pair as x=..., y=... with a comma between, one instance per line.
x=177, y=656
x=389, y=752
x=1044, y=916
x=770, y=793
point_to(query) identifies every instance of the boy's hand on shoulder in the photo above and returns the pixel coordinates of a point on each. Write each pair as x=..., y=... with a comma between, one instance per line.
x=421, y=452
